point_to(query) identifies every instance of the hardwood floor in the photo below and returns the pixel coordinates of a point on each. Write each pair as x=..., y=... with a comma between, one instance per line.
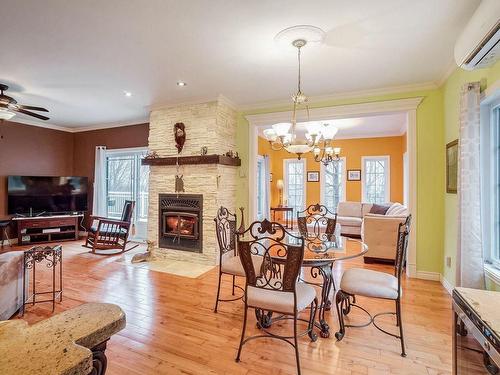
x=171, y=328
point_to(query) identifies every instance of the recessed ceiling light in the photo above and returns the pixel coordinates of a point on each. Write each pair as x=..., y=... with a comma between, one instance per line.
x=181, y=83
x=128, y=94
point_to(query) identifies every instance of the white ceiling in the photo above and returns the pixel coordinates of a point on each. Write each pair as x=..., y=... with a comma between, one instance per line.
x=361, y=127
x=76, y=58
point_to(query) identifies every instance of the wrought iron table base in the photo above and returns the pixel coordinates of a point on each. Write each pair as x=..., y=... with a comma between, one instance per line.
x=38, y=254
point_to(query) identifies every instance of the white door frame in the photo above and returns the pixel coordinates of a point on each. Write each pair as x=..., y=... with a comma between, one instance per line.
x=387, y=158
x=408, y=106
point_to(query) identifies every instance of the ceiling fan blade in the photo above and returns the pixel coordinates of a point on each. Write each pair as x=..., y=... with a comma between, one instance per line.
x=20, y=110
x=31, y=108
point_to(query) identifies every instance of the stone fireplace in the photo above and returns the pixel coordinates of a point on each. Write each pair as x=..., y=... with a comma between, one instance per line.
x=181, y=222
x=182, y=229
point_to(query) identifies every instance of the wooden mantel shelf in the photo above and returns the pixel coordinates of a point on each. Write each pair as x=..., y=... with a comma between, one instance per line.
x=193, y=160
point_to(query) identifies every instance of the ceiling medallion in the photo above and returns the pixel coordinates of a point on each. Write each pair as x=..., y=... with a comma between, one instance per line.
x=319, y=135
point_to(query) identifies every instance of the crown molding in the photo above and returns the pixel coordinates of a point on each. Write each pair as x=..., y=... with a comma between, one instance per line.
x=45, y=125
x=110, y=125
x=344, y=95
x=337, y=112
x=200, y=100
x=81, y=129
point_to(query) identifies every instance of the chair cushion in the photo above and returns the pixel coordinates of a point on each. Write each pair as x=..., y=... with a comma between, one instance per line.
x=274, y=300
x=369, y=283
x=232, y=265
x=349, y=221
x=106, y=230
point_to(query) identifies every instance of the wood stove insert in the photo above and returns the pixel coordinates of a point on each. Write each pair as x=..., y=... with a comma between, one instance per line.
x=181, y=222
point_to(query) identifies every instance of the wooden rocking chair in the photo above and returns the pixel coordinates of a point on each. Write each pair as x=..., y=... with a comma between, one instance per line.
x=109, y=234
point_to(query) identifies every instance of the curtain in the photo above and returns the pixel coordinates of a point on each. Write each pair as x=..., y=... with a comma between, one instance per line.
x=267, y=190
x=99, y=197
x=470, y=250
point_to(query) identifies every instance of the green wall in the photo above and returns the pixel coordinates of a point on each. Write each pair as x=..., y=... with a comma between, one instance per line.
x=430, y=172
x=451, y=103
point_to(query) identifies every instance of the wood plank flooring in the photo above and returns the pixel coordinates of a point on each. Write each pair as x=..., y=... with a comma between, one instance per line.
x=171, y=327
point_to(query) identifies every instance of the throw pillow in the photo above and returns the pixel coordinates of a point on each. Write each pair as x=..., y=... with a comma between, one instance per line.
x=379, y=209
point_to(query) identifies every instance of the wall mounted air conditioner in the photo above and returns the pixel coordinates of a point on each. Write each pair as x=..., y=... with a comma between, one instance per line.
x=479, y=44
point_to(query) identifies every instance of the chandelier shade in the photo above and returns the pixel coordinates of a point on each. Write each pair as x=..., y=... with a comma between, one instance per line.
x=318, y=135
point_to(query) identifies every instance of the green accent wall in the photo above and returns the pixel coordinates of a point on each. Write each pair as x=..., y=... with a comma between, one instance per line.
x=451, y=103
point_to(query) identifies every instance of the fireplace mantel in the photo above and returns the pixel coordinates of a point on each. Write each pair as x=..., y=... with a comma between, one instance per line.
x=194, y=160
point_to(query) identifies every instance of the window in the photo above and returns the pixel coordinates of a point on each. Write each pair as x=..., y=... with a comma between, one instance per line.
x=490, y=179
x=375, y=179
x=127, y=179
x=295, y=183
x=332, y=181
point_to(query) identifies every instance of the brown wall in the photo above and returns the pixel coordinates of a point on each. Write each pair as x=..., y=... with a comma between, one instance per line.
x=112, y=138
x=31, y=150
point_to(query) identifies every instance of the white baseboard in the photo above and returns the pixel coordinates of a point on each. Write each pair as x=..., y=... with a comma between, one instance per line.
x=446, y=284
x=424, y=275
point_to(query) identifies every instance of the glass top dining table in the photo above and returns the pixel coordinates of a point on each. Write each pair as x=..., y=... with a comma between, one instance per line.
x=321, y=251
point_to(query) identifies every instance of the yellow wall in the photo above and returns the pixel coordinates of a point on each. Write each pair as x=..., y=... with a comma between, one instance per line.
x=353, y=150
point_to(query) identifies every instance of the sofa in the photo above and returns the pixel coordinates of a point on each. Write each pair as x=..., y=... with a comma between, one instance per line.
x=377, y=230
x=380, y=233
x=11, y=283
x=350, y=217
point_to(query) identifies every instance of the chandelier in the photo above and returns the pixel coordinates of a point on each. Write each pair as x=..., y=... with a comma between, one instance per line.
x=319, y=135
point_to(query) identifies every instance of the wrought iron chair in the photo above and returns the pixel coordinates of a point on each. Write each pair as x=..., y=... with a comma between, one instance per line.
x=277, y=288
x=229, y=262
x=316, y=221
x=109, y=234
x=374, y=284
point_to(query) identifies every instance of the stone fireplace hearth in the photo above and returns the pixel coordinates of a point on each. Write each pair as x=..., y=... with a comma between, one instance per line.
x=189, y=234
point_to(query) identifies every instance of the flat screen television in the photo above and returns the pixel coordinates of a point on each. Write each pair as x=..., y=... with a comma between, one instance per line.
x=38, y=195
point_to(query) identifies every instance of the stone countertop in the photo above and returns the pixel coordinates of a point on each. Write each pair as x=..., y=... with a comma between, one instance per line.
x=60, y=344
x=485, y=303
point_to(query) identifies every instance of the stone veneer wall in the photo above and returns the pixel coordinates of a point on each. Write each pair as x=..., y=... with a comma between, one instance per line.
x=213, y=125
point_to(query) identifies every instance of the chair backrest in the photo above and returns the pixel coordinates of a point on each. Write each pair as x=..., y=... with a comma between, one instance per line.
x=401, y=248
x=128, y=210
x=313, y=219
x=225, y=228
x=281, y=261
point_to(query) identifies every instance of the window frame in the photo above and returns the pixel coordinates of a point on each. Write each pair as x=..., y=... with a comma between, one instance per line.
x=490, y=191
x=322, y=181
x=260, y=160
x=285, y=180
x=387, y=159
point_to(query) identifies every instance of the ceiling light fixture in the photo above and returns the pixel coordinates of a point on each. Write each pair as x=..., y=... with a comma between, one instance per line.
x=319, y=136
x=181, y=83
x=128, y=94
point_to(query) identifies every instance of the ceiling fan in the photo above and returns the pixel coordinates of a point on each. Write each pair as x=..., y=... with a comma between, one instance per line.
x=8, y=107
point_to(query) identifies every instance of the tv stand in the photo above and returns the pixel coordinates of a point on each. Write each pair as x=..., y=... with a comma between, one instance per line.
x=41, y=229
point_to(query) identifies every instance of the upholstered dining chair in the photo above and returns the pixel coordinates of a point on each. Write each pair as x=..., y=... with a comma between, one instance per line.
x=317, y=221
x=277, y=288
x=229, y=262
x=108, y=234
x=375, y=284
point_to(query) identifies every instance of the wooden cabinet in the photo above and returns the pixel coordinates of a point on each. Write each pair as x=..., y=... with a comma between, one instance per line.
x=47, y=229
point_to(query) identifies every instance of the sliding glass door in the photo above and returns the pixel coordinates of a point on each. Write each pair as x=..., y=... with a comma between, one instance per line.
x=127, y=179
